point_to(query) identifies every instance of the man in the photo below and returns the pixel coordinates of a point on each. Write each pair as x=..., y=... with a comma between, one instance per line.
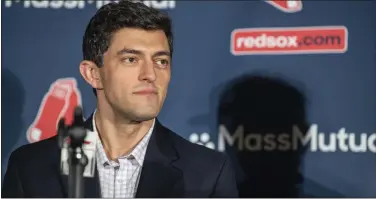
x=127, y=52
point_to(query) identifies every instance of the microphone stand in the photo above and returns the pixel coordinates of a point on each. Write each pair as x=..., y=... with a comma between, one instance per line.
x=77, y=160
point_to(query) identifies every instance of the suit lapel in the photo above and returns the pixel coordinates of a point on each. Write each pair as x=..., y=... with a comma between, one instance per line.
x=91, y=185
x=159, y=175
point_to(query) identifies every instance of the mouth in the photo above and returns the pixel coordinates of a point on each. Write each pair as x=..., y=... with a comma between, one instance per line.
x=146, y=92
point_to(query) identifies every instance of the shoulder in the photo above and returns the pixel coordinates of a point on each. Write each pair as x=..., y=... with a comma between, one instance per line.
x=41, y=150
x=204, y=168
x=196, y=153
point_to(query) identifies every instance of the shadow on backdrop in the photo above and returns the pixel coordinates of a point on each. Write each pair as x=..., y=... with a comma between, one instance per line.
x=12, y=99
x=264, y=109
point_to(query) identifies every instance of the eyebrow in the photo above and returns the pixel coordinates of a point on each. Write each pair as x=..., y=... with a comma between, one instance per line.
x=138, y=52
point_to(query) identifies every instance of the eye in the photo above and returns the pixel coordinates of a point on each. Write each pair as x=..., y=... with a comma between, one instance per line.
x=129, y=60
x=163, y=62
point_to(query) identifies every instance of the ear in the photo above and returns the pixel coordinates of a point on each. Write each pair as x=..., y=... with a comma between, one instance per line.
x=90, y=72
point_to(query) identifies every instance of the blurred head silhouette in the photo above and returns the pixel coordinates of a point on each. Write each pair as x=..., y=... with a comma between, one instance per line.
x=259, y=113
x=13, y=101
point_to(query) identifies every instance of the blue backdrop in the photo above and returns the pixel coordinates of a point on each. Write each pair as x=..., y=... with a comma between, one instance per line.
x=241, y=72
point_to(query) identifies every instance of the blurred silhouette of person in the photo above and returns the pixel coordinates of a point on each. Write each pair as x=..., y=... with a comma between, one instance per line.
x=264, y=109
x=13, y=100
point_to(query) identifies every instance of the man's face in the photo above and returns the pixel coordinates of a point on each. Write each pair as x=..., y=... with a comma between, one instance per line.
x=136, y=73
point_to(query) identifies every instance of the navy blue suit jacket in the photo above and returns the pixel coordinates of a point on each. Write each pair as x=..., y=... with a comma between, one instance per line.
x=173, y=167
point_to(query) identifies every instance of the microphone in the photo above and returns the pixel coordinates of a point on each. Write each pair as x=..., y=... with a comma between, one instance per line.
x=78, y=152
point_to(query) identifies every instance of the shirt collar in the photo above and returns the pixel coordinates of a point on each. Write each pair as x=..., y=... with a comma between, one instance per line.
x=138, y=153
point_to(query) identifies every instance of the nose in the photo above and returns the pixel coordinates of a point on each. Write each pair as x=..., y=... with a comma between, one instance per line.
x=148, y=72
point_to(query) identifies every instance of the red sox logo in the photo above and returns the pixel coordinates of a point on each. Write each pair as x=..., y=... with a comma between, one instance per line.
x=288, y=6
x=60, y=101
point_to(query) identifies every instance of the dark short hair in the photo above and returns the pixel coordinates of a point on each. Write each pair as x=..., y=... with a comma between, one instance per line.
x=118, y=15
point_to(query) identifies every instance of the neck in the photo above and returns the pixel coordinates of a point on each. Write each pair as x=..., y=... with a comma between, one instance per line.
x=119, y=137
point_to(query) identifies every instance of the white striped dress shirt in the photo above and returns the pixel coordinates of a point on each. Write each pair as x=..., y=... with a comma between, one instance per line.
x=120, y=179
